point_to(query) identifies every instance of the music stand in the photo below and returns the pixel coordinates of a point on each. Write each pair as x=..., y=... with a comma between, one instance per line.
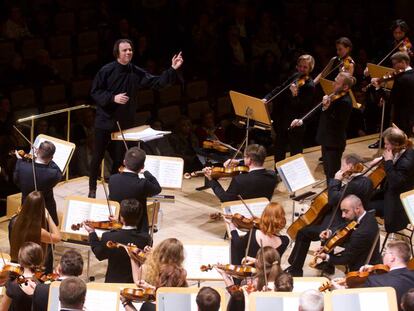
x=252, y=109
x=328, y=86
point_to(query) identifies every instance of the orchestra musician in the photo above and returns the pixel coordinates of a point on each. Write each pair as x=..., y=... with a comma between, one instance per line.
x=331, y=133
x=208, y=299
x=114, y=89
x=358, y=247
x=357, y=184
x=272, y=221
x=258, y=182
x=119, y=267
x=128, y=185
x=402, y=93
x=72, y=294
x=291, y=105
x=47, y=173
x=398, y=160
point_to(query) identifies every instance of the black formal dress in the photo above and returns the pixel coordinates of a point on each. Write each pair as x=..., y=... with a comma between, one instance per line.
x=20, y=300
x=129, y=185
x=360, y=186
x=285, y=109
x=119, y=264
x=400, y=279
x=239, y=244
x=358, y=246
x=402, y=99
x=112, y=79
x=47, y=176
x=386, y=201
x=255, y=184
x=331, y=133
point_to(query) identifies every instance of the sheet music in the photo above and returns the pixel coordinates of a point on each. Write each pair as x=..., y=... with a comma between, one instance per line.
x=62, y=153
x=296, y=174
x=377, y=301
x=408, y=203
x=169, y=173
x=77, y=212
x=301, y=286
x=97, y=300
x=145, y=135
x=197, y=255
x=256, y=208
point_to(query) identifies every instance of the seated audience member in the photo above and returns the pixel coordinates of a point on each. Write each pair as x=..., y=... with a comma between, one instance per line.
x=128, y=184
x=258, y=182
x=208, y=130
x=311, y=300
x=71, y=264
x=72, y=294
x=272, y=222
x=160, y=146
x=208, y=299
x=119, y=267
x=407, y=301
x=284, y=282
x=184, y=143
x=19, y=296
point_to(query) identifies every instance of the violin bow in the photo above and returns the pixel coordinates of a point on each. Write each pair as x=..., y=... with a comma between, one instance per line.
x=251, y=231
x=238, y=150
x=107, y=199
x=264, y=264
x=285, y=85
x=122, y=135
x=371, y=251
x=330, y=63
x=392, y=51
x=154, y=209
x=245, y=205
x=2, y=258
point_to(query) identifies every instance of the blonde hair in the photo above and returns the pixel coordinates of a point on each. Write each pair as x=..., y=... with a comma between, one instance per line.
x=273, y=219
x=309, y=59
x=168, y=252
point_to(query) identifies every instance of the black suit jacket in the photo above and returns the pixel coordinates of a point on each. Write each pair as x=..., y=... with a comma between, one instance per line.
x=400, y=279
x=399, y=179
x=47, y=176
x=333, y=123
x=40, y=299
x=359, y=245
x=402, y=101
x=130, y=186
x=255, y=184
x=119, y=264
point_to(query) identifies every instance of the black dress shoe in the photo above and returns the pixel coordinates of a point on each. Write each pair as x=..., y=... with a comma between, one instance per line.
x=294, y=271
x=374, y=145
x=92, y=193
x=326, y=267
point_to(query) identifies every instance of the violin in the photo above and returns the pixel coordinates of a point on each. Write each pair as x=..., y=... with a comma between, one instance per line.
x=211, y=144
x=102, y=225
x=235, y=271
x=11, y=270
x=387, y=77
x=240, y=221
x=25, y=156
x=218, y=172
x=301, y=81
x=406, y=46
x=46, y=277
x=139, y=294
x=355, y=279
x=138, y=254
x=346, y=64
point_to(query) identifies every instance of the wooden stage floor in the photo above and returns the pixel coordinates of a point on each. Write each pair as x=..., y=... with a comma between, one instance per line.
x=188, y=217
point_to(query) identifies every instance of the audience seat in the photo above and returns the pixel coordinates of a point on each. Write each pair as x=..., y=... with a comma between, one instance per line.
x=65, y=68
x=196, y=109
x=60, y=46
x=171, y=94
x=88, y=42
x=31, y=46
x=23, y=98
x=169, y=115
x=81, y=89
x=197, y=90
x=53, y=93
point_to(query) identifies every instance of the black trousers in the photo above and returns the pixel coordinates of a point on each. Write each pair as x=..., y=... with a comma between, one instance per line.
x=116, y=150
x=331, y=157
x=284, y=139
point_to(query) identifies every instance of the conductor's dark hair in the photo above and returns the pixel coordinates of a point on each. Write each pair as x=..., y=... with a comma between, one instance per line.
x=117, y=43
x=131, y=211
x=346, y=42
x=135, y=159
x=400, y=23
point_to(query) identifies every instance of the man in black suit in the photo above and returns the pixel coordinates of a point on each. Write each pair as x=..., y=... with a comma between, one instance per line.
x=47, y=174
x=331, y=133
x=359, y=185
x=402, y=93
x=258, y=182
x=72, y=294
x=399, y=169
x=358, y=247
x=71, y=264
x=128, y=184
x=119, y=264
x=396, y=256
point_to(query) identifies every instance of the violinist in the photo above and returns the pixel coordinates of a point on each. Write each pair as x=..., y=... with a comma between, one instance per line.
x=272, y=221
x=402, y=93
x=292, y=104
x=19, y=296
x=208, y=299
x=258, y=182
x=128, y=184
x=398, y=160
x=359, y=244
x=33, y=225
x=357, y=184
x=71, y=264
x=72, y=294
x=331, y=133
x=119, y=267
x=47, y=173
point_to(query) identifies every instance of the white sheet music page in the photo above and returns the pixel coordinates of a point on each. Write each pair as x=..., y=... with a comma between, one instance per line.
x=62, y=153
x=256, y=208
x=97, y=300
x=145, y=135
x=153, y=166
x=377, y=301
x=77, y=212
x=408, y=202
x=197, y=255
x=297, y=174
x=171, y=173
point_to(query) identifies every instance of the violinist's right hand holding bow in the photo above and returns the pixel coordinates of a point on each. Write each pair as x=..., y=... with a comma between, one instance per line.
x=365, y=268
x=88, y=228
x=375, y=83
x=325, y=234
x=231, y=163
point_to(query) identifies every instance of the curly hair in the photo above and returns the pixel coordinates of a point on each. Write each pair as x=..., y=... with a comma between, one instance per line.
x=273, y=219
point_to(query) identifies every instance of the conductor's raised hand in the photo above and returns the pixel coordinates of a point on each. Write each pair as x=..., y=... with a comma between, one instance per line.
x=177, y=61
x=121, y=99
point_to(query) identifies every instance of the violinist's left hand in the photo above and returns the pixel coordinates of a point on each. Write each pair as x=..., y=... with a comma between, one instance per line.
x=388, y=155
x=207, y=173
x=322, y=256
x=88, y=228
x=326, y=102
x=112, y=218
x=294, y=89
x=339, y=175
x=249, y=261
